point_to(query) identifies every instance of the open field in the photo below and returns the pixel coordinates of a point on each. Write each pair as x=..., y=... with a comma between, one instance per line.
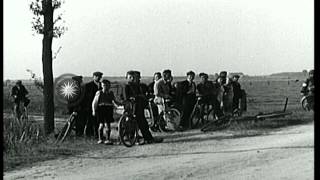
x=263, y=93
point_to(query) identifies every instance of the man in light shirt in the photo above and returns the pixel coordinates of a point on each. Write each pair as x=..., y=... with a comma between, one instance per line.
x=162, y=89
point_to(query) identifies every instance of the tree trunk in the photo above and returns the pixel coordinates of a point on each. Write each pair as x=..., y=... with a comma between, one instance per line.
x=47, y=67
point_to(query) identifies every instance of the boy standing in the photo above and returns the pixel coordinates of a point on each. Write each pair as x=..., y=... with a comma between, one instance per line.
x=102, y=107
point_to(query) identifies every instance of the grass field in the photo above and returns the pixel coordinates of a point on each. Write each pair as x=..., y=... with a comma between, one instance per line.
x=263, y=95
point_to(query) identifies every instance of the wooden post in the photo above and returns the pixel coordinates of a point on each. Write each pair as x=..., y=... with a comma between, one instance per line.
x=285, y=105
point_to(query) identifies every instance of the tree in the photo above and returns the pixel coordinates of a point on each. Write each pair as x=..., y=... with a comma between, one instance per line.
x=45, y=24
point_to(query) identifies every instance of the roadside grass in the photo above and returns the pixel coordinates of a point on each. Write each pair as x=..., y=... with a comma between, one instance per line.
x=23, y=150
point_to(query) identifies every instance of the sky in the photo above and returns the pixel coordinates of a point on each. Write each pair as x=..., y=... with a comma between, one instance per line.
x=256, y=37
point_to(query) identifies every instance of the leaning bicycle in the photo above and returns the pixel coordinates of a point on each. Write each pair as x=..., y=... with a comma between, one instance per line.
x=201, y=114
x=67, y=128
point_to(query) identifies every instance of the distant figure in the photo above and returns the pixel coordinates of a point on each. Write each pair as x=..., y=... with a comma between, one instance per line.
x=102, y=108
x=308, y=89
x=308, y=85
x=90, y=91
x=18, y=93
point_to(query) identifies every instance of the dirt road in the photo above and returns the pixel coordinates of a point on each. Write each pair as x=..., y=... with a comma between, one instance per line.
x=287, y=153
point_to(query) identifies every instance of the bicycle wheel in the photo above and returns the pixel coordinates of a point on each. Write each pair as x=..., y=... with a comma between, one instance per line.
x=195, y=118
x=149, y=117
x=127, y=130
x=305, y=104
x=216, y=125
x=171, y=118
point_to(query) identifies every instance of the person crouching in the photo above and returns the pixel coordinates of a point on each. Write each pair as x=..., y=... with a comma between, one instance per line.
x=102, y=106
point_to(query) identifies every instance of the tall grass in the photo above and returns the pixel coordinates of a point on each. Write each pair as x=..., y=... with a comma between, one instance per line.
x=20, y=135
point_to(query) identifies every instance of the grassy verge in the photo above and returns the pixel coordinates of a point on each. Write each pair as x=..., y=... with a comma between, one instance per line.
x=252, y=128
x=25, y=144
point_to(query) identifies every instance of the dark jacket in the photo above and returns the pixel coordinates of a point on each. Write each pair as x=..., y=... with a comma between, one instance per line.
x=90, y=91
x=182, y=89
x=206, y=89
x=137, y=91
x=236, y=89
x=150, y=93
x=20, y=93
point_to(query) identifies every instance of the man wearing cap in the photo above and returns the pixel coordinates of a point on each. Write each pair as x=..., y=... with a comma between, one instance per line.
x=226, y=93
x=91, y=88
x=186, y=94
x=236, y=92
x=208, y=92
x=18, y=93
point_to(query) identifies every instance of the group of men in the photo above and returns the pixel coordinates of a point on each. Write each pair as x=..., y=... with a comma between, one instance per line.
x=184, y=94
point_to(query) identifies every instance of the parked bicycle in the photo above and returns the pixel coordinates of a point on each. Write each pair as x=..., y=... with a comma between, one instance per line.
x=201, y=114
x=167, y=121
x=128, y=125
x=67, y=128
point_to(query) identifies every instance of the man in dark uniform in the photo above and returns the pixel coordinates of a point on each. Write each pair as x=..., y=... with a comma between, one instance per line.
x=18, y=93
x=236, y=92
x=186, y=94
x=90, y=90
x=133, y=89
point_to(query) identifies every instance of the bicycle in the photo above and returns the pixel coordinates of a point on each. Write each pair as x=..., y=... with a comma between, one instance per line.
x=307, y=102
x=201, y=114
x=128, y=125
x=217, y=124
x=169, y=118
x=67, y=128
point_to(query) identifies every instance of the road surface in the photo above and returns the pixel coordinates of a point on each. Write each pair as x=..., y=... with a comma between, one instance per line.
x=286, y=153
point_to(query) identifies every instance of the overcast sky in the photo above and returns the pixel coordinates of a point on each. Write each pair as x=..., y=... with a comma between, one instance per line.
x=256, y=37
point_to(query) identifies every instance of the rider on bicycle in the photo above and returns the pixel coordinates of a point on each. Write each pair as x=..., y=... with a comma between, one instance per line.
x=19, y=93
x=308, y=85
x=308, y=89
